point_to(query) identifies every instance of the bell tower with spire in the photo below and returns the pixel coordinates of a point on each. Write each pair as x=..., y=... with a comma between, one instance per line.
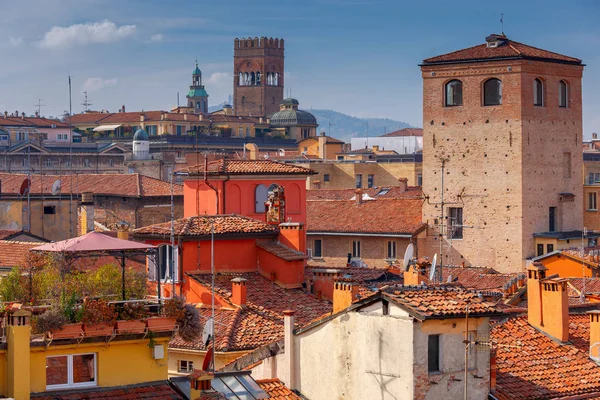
x=197, y=98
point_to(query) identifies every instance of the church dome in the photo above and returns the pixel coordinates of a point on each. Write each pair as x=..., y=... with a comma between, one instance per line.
x=289, y=102
x=140, y=134
x=291, y=117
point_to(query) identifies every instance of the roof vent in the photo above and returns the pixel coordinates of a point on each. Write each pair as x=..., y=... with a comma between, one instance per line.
x=495, y=40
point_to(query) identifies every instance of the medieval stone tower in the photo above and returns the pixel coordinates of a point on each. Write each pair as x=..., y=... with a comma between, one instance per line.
x=257, y=76
x=502, y=122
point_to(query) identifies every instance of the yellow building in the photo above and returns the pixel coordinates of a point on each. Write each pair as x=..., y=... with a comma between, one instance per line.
x=323, y=147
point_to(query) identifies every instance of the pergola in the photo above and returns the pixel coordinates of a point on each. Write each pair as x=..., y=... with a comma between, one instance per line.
x=95, y=244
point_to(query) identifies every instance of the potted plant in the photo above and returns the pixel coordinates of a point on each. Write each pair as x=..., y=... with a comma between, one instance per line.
x=54, y=322
x=172, y=310
x=98, y=318
x=131, y=319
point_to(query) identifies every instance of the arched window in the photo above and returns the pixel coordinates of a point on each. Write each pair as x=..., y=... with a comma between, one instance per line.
x=197, y=104
x=563, y=94
x=241, y=79
x=276, y=80
x=246, y=79
x=454, y=93
x=258, y=78
x=492, y=92
x=260, y=196
x=538, y=92
x=252, y=78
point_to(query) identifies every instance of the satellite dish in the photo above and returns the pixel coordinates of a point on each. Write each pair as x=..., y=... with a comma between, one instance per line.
x=408, y=255
x=24, y=191
x=207, y=332
x=433, y=265
x=56, y=187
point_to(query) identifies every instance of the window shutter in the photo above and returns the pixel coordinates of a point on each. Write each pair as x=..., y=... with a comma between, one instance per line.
x=151, y=263
x=175, y=273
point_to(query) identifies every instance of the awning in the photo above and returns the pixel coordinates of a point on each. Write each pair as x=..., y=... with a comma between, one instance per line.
x=104, y=128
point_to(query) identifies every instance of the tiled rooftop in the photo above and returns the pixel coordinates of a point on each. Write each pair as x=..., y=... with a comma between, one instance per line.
x=264, y=296
x=13, y=253
x=160, y=390
x=38, y=122
x=442, y=302
x=530, y=365
x=405, y=132
x=281, y=250
x=592, y=285
x=384, y=192
x=277, y=390
x=509, y=49
x=247, y=167
x=203, y=226
x=392, y=216
x=123, y=185
x=477, y=278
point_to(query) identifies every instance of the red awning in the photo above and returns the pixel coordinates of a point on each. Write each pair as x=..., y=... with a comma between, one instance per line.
x=93, y=242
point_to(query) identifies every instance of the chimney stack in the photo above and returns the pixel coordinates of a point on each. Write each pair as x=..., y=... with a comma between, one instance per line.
x=200, y=384
x=413, y=276
x=344, y=293
x=375, y=147
x=358, y=197
x=595, y=335
x=238, y=291
x=123, y=230
x=322, y=143
x=289, y=359
x=142, y=117
x=123, y=108
x=403, y=183
x=87, y=212
x=18, y=354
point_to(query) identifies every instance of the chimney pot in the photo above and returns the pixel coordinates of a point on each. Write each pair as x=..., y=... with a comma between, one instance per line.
x=403, y=183
x=344, y=293
x=595, y=335
x=238, y=291
x=358, y=197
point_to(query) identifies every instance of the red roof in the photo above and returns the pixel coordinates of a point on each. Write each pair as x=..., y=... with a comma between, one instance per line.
x=122, y=185
x=277, y=390
x=38, y=122
x=592, y=285
x=247, y=167
x=383, y=192
x=204, y=224
x=530, y=365
x=12, y=254
x=93, y=242
x=329, y=140
x=477, y=278
x=508, y=49
x=284, y=252
x=160, y=390
x=405, y=132
x=381, y=216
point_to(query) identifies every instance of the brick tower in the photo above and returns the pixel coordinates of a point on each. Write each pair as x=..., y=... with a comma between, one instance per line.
x=505, y=121
x=257, y=76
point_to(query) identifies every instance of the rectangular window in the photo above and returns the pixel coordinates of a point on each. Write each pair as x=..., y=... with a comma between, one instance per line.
x=340, y=158
x=356, y=248
x=420, y=180
x=370, y=180
x=247, y=131
x=456, y=221
x=86, y=162
x=74, y=370
x=552, y=219
x=111, y=162
x=68, y=163
x=178, y=130
x=391, y=249
x=549, y=248
x=185, y=366
x=151, y=129
x=49, y=210
x=358, y=180
x=325, y=177
x=49, y=163
x=240, y=131
x=592, y=201
x=318, y=248
x=540, y=250
x=433, y=353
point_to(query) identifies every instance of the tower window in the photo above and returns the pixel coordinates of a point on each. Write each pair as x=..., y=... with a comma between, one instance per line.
x=456, y=222
x=492, y=92
x=563, y=93
x=454, y=93
x=551, y=221
x=538, y=93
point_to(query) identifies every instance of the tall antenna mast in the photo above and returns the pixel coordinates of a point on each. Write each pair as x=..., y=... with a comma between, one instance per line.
x=39, y=106
x=502, y=22
x=86, y=104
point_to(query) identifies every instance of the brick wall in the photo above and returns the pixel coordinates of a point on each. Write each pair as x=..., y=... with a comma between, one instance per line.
x=137, y=212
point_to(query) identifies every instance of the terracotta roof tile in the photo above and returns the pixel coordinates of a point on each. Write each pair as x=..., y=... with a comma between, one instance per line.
x=383, y=192
x=13, y=253
x=405, y=132
x=530, y=365
x=38, y=122
x=281, y=250
x=277, y=390
x=7, y=233
x=442, y=302
x=203, y=225
x=509, y=49
x=592, y=285
x=160, y=390
x=123, y=185
x=265, y=296
x=391, y=216
x=247, y=167
x=477, y=278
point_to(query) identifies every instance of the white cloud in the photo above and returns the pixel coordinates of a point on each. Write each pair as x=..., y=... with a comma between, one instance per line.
x=15, y=41
x=217, y=78
x=80, y=34
x=157, y=38
x=94, y=84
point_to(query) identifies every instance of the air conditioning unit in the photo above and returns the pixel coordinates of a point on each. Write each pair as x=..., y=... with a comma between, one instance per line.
x=158, y=352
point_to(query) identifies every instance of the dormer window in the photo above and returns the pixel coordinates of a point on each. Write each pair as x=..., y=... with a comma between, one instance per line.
x=538, y=92
x=492, y=92
x=495, y=40
x=453, y=93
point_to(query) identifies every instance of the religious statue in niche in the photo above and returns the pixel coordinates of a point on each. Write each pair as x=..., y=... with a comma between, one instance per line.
x=275, y=205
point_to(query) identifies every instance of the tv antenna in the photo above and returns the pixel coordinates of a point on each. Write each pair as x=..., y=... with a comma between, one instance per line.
x=86, y=104
x=502, y=22
x=39, y=106
x=433, y=266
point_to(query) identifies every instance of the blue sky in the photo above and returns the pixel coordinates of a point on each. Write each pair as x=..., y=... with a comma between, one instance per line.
x=355, y=56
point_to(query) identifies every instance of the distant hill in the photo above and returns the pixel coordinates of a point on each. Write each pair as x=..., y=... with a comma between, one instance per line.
x=344, y=126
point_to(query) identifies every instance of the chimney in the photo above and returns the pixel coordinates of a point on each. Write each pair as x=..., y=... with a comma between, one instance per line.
x=547, y=302
x=200, y=117
x=37, y=114
x=5, y=114
x=594, y=136
x=403, y=183
x=238, y=291
x=289, y=359
x=595, y=335
x=260, y=120
x=18, y=338
x=252, y=151
x=87, y=212
x=185, y=117
x=322, y=143
x=293, y=234
x=358, y=196
x=200, y=384
x=375, y=147
x=123, y=230
x=344, y=293
x=22, y=115
x=142, y=117
x=123, y=108
x=413, y=276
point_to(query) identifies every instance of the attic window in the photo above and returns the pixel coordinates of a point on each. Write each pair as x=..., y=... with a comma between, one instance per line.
x=383, y=192
x=49, y=210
